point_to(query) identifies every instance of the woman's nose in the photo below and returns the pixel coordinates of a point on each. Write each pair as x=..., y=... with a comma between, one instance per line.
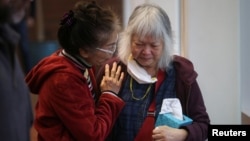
x=146, y=49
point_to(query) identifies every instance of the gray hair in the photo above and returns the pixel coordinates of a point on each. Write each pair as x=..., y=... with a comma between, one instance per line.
x=148, y=19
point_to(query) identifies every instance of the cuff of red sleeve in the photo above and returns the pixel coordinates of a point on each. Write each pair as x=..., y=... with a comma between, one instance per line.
x=109, y=92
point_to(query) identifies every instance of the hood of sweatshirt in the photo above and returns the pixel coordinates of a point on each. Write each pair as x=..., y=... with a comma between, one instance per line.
x=47, y=67
x=185, y=69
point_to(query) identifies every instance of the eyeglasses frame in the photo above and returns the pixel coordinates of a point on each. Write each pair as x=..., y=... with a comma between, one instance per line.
x=109, y=51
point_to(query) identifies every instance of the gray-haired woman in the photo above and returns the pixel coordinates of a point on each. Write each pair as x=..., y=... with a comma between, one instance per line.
x=154, y=74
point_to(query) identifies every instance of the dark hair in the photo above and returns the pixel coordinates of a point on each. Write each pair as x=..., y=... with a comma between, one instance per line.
x=87, y=26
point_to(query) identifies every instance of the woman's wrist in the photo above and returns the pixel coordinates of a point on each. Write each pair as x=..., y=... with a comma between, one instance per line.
x=109, y=91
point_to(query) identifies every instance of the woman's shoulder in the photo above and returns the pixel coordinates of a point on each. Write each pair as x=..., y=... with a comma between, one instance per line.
x=111, y=61
x=184, y=68
x=182, y=60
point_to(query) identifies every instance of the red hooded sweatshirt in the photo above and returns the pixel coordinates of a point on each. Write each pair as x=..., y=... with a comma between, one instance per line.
x=66, y=109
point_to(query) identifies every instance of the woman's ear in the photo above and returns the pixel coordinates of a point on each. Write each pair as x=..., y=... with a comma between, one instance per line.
x=84, y=53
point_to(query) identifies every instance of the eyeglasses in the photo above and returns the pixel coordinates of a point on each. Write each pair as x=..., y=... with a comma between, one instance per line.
x=110, y=51
x=112, y=48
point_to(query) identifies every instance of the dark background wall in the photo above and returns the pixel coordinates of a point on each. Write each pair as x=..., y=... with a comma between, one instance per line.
x=43, y=33
x=49, y=13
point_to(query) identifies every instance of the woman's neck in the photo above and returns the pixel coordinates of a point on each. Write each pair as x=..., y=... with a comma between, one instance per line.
x=151, y=71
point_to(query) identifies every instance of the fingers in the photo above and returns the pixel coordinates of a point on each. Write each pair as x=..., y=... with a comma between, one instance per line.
x=118, y=74
x=106, y=70
x=113, y=70
x=112, y=79
x=119, y=80
x=102, y=82
x=114, y=73
x=157, y=135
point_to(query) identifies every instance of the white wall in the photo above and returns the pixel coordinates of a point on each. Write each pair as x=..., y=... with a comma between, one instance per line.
x=244, y=53
x=213, y=46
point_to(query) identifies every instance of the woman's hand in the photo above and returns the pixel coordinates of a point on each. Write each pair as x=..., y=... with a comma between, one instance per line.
x=166, y=133
x=112, y=79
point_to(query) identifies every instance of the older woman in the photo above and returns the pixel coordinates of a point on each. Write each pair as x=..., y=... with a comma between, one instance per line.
x=154, y=74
